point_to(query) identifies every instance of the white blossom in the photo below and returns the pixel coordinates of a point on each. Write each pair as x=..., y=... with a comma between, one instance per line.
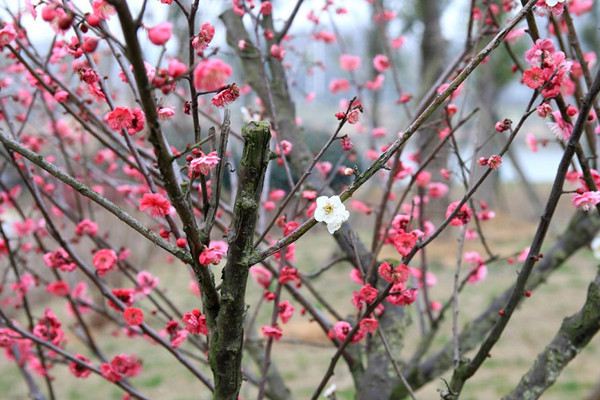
x=332, y=211
x=552, y=3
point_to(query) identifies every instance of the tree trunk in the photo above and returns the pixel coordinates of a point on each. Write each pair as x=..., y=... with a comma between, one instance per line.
x=574, y=334
x=227, y=337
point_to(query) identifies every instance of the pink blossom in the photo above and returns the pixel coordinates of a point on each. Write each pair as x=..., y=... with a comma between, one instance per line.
x=203, y=164
x=7, y=35
x=398, y=42
x=133, y=316
x=146, y=282
x=195, y=322
x=59, y=259
x=378, y=132
x=503, y=125
x=24, y=228
x=360, y=207
x=156, y=204
x=104, y=261
x=400, y=296
x=586, y=200
x=284, y=147
x=102, y=9
x=404, y=242
x=176, y=335
x=339, y=85
x=61, y=96
x=165, y=113
x=211, y=74
x=289, y=275
x=272, y=332
x=161, y=33
x=368, y=325
x=514, y=35
x=86, y=227
x=561, y=128
x=349, y=62
x=493, y=162
x=353, y=116
x=381, y=62
x=430, y=278
x=397, y=275
x=26, y=283
x=542, y=49
x=266, y=8
x=531, y=141
x=544, y=109
x=226, y=96
x=277, y=194
x=356, y=276
x=580, y=7
x=324, y=36
x=213, y=253
x=478, y=274
x=462, y=217
x=556, y=7
x=285, y=311
x=269, y=205
x=368, y=293
x=122, y=365
x=123, y=118
x=534, y=77
x=324, y=167
x=204, y=37
x=176, y=68
x=79, y=370
x=58, y=288
x=49, y=328
x=277, y=52
x=341, y=329
x=437, y=190
x=423, y=179
x=261, y=275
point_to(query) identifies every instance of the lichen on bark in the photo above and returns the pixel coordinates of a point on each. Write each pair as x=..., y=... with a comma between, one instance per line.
x=227, y=337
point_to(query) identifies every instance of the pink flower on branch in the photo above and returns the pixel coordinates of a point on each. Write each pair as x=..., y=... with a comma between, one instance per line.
x=122, y=118
x=226, y=96
x=195, y=322
x=204, y=37
x=272, y=332
x=203, y=164
x=211, y=74
x=104, y=261
x=213, y=253
x=156, y=204
x=133, y=316
x=161, y=33
x=586, y=200
x=349, y=62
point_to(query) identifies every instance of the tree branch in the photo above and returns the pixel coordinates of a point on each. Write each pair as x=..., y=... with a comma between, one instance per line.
x=574, y=334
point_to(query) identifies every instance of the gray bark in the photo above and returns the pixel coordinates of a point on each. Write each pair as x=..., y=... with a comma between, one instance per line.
x=574, y=334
